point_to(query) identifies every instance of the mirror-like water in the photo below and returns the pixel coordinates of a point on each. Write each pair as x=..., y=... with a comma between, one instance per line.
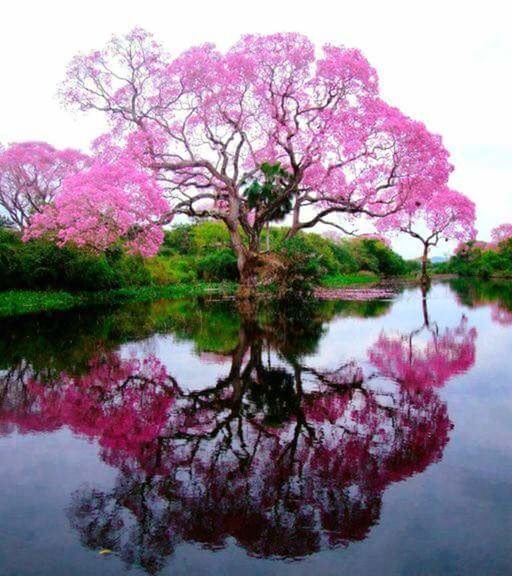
x=180, y=438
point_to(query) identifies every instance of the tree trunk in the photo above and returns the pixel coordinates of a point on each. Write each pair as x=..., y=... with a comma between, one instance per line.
x=247, y=260
x=248, y=279
x=424, y=290
x=425, y=280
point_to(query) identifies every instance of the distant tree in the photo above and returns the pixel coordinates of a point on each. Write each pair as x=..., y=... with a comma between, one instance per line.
x=31, y=174
x=444, y=213
x=501, y=232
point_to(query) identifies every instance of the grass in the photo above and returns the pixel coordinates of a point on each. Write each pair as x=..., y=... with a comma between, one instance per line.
x=346, y=280
x=17, y=302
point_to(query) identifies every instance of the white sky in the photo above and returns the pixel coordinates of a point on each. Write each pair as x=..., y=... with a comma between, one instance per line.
x=447, y=63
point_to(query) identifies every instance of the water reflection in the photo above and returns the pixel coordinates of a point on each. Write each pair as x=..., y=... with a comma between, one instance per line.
x=494, y=293
x=426, y=356
x=285, y=456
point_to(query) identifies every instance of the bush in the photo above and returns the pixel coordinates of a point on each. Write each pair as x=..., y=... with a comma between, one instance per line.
x=195, y=239
x=218, y=266
x=374, y=256
x=171, y=270
x=301, y=270
x=477, y=260
x=178, y=240
x=39, y=264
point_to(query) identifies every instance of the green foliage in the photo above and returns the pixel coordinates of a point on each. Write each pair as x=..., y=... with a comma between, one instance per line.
x=302, y=268
x=374, y=256
x=195, y=239
x=341, y=280
x=171, y=270
x=269, y=191
x=345, y=257
x=39, y=264
x=477, y=260
x=218, y=266
x=191, y=253
x=209, y=236
x=178, y=240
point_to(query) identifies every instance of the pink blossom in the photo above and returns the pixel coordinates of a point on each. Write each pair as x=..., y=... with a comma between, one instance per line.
x=501, y=233
x=105, y=204
x=204, y=121
x=31, y=176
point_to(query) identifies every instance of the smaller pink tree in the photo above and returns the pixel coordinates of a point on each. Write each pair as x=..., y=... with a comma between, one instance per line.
x=31, y=175
x=444, y=213
x=501, y=232
x=106, y=204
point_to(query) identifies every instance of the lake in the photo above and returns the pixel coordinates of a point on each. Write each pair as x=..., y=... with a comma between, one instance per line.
x=177, y=437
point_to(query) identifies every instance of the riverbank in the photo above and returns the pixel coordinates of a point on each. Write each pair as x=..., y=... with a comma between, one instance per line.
x=18, y=302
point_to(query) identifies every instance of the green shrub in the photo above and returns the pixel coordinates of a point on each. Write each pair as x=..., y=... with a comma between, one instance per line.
x=209, y=236
x=178, y=240
x=477, y=260
x=374, y=256
x=39, y=264
x=218, y=266
x=301, y=271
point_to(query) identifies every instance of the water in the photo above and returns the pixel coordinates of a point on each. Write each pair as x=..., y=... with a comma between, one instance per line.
x=178, y=438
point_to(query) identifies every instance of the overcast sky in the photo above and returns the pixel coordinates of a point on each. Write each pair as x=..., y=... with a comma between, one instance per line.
x=447, y=63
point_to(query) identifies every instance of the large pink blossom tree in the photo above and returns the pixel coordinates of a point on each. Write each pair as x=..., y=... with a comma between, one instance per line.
x=441, y=214
x=31, y=175
x=208, y=125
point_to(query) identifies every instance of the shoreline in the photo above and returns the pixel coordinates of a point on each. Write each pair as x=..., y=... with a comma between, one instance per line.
x=23, y=302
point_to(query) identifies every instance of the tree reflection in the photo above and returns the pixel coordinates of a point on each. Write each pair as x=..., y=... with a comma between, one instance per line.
x=425, y=357
x=494, y=293
x=285, y=458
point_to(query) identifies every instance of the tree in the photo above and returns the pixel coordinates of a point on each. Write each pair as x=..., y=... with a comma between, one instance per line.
x=425, y=357
x=31, y=174
x=444, y=213
x=501, y=232
x=105, y=204
x=206, y=123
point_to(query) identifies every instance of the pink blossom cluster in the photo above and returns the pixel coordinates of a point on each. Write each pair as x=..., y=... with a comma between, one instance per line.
x=501, y=233
x=31, y=175
x=105, y=204
x=441, y=214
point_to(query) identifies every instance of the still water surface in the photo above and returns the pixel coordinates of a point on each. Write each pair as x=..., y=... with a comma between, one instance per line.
x=337, y=438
